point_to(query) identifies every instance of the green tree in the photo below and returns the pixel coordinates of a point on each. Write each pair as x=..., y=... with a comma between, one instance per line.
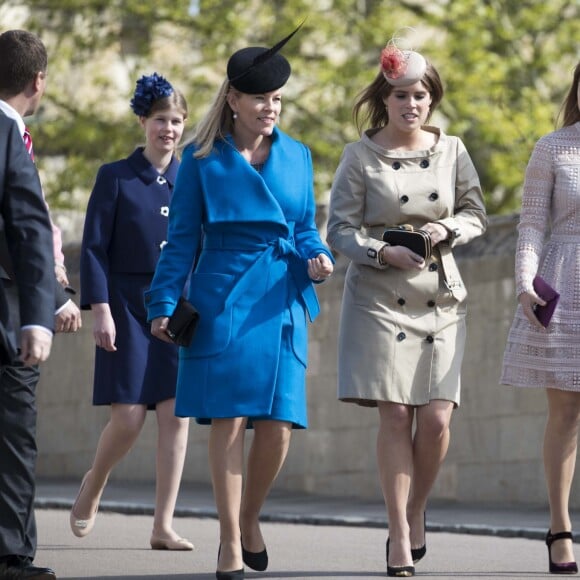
x=505, y=63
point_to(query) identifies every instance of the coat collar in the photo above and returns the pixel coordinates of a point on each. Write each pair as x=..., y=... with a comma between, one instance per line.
x=146, y=172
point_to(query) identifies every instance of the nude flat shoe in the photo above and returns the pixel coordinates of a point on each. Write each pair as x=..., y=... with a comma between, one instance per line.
x=81, y=528
x=181, y=544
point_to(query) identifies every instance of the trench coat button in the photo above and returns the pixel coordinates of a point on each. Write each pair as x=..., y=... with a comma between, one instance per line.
x=396, y=165
x=433, y=267
x=431, y=303
x=424, y=164
x=429, y=339
x=401, y=336
x=401, y=301
x=164, y=210
x=161, y=180
x=404, y=198
x=162, y=244
x=434, y=196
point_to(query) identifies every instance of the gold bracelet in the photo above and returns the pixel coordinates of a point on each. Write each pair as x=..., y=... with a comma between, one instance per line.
x=382, y=262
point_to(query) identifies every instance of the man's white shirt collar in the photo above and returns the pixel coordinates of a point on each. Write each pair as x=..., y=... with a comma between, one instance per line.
x=11, y=112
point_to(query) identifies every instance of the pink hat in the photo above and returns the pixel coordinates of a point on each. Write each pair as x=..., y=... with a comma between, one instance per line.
x=401, y=67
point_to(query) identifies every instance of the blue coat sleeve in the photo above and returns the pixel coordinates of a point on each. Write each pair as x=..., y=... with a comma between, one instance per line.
x=306, y=236
x=97, y=234
x=183, y=240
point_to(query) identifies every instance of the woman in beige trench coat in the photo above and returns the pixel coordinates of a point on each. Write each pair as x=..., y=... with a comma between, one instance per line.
x=402, y=328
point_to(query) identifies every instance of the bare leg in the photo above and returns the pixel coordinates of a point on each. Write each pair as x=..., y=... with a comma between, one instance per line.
x=560, y=446
x=117, y=438
x=171, y=448
x=267, y=454
x=395, y=462
x=430, y=445
x=226, y=458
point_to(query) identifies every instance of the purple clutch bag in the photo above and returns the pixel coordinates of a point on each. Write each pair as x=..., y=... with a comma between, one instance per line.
x=551, y=296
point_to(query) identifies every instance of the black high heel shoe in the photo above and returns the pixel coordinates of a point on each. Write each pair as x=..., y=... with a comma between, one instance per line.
x=564, y=567
x=233, y=575
x=255, y=560
x=399, y=571
x=419, y=553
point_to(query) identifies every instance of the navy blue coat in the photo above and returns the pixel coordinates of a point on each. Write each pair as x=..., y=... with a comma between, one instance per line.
x=125, y=230
x=250, y=284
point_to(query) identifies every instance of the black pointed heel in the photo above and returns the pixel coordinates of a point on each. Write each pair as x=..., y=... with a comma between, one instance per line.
x=233, y=575
x=399, y=571
x=255, y=560
x=564, y=567
x=419, y=553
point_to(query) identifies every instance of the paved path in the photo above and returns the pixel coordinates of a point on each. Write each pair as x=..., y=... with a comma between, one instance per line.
x=308, y=537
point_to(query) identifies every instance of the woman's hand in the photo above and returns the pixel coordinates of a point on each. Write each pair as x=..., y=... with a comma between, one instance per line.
x=320, y=268
x=104, y=331
x=437, y=232
x=159, y=328
x=401, y=257
x=529, y=300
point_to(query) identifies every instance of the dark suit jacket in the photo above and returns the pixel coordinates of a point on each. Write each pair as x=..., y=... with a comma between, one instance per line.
x=27, y=232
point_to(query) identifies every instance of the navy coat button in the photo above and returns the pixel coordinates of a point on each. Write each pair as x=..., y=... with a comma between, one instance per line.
x=401, y=336
x=404, y=198
x=434, y=196
x=433, y=267
x=429, y=339
x=431, y=303
x=424, y=164
x=396, y=165
x=401, y=301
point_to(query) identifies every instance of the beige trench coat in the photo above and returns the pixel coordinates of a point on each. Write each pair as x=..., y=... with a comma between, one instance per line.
x=402, y=333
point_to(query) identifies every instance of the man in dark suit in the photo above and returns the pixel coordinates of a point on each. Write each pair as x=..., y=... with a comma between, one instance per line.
x=22, y=82
x=26, y=229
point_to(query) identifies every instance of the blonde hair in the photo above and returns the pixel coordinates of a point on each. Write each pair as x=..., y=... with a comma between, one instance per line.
x=571, y=107
x=175, y=100
x=215, y=125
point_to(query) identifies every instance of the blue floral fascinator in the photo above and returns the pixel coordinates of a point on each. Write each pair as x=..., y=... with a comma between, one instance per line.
x=148, y=90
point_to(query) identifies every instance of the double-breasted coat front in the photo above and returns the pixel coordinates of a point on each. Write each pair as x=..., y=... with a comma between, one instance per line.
x=402, y=332
x=252, y=232
x=124, y=233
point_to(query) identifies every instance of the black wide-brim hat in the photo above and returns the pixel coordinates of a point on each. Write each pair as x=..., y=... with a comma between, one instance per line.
x=257, y=69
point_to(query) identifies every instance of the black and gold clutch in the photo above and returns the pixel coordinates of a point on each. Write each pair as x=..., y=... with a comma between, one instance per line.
x=183, y=322
x=417, y=240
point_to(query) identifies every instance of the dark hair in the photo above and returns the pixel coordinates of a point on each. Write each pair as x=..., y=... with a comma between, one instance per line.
x=571, y=106
x=175, y=99
x=23, y=57
x=372, y=98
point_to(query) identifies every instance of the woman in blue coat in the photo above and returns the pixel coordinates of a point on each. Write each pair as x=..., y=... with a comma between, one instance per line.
x=244, y=200
x=125, y=230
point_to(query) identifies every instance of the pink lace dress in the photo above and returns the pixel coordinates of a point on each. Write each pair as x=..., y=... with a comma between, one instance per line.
x=549, y=244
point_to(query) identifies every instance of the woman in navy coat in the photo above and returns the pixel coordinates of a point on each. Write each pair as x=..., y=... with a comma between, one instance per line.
x=125, y=230
x=244, y=200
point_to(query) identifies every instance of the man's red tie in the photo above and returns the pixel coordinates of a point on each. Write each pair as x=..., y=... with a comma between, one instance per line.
x=28, y=143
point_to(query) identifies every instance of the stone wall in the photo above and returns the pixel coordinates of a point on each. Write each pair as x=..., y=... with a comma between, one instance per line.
x=495, y=452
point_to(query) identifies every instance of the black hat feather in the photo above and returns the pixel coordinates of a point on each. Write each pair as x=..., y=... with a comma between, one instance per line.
x=256, y=69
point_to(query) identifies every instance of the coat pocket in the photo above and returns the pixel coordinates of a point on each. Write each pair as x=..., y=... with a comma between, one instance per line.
x=208, y=293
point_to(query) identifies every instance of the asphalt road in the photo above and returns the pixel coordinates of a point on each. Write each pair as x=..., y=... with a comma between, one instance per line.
x=119, y=548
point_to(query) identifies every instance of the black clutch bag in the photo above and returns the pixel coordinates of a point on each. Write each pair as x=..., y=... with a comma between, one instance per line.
x=417, y=240
x=183, y=322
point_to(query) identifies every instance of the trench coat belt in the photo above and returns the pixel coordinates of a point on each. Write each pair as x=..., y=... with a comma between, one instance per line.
x=278, y=248
x=451, y=272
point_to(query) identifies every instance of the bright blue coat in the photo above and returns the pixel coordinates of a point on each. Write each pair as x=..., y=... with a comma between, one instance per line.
x=252, y=234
